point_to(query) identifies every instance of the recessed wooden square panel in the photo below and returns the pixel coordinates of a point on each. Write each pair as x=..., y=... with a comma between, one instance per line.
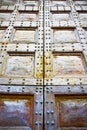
x=60, y=17
x=68, y=64
x=64, y=36
x=58, y=2
x=71, y=112
x=21, y=65
x=16, y=111
x=79, y=2
x=2, y=33
x=4, y=16
x=27, y=17
x=30, y=3
x=8, y=2
x=83, y=18
x=25, y=36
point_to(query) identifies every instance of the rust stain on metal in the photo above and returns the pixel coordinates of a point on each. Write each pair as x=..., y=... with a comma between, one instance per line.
x=71, y=111
x=48, y=65
x=39, y=68
x=16, y=112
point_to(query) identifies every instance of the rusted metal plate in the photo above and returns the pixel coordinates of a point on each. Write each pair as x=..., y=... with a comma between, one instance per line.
x=16, y=112
x=65, y=107
x=21, y=107
x=71, y=112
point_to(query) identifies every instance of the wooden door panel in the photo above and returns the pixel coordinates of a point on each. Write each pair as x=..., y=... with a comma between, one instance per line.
x=8, y=2
x=65, y=64
x=24, y=36
x=16, y=111
x=21, y=107
x=66, y=108
x=4, y=16
x=43, y=42
x=71, y=112
x=27, y=16
x=20, y=34
x=64, y=36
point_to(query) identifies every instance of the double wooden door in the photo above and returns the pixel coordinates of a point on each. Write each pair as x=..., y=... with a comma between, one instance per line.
x=43, y=65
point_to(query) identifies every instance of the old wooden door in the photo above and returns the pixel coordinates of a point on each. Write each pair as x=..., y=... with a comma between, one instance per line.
x=43, y=65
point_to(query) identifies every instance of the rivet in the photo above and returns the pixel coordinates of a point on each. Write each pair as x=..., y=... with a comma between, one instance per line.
x=52, y=112
x=8, y=87
x=36, y=123
x=52, y=122
x=41, y=102
x=39, y=113
x=83, y=90
x=82, y=87
x=51, y=102
x=40, y=123
x=47, y=122
x=36, y=102
x=48, y=112
x=36, y=113
x=8, y=90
